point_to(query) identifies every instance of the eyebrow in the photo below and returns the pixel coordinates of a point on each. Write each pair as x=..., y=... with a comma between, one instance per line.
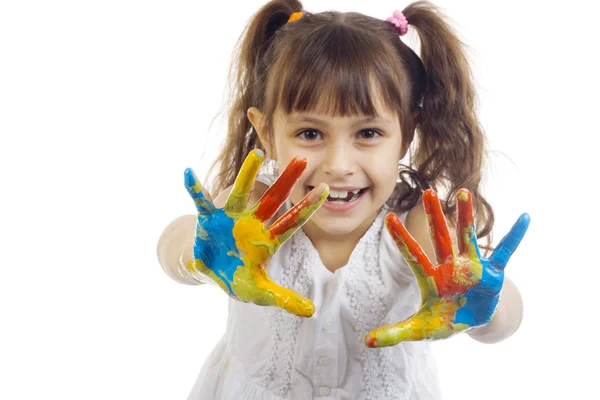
x=317, y=120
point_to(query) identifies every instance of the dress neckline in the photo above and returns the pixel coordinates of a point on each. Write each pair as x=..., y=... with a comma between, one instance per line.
x=357, y=252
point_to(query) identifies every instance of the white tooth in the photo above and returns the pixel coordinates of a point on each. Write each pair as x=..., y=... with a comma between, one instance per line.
x=356, y=191
x=338, y=194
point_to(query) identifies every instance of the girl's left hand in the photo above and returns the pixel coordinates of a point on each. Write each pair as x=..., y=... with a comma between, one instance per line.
x=460, y=293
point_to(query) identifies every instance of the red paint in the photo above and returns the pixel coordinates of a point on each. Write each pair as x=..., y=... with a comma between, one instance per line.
x=291, y=219
x=444, y=272
x=437, y=226
x=370, y=342
x=280, y=190
x=403, y=238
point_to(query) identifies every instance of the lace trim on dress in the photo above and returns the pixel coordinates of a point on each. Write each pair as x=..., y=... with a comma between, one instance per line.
x=284, y=326
x=376, y=363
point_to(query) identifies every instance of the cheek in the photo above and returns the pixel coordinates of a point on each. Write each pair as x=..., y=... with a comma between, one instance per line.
x=383, y=170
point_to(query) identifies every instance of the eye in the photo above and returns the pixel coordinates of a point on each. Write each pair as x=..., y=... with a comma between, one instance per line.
x=310, y=134
x=368, y=134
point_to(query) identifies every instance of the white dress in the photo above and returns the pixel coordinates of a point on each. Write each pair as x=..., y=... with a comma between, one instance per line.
x=269, y=354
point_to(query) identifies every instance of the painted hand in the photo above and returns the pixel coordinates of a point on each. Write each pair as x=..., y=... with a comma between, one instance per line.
x=460, y=293
x=232, y=244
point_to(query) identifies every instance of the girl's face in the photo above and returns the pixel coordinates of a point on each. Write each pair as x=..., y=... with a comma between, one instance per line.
x=356, y=156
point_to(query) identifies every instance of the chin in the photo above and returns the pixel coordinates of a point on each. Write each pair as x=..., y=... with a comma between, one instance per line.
x=335, y=226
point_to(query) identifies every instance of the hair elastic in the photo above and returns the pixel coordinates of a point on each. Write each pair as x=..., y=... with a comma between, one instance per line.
x=295, y=16
x=399, y=21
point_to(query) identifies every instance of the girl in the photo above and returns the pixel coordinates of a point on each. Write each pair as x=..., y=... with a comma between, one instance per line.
x=344, y=92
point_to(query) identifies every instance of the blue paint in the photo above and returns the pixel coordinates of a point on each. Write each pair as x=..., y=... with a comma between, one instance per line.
x=219, y=232
x=213, y=251
x=482, y=299
x=510, y=242
x=203, y=205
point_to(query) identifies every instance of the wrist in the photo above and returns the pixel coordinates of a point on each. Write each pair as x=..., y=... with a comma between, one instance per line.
x=506, y=319
x=175, y=250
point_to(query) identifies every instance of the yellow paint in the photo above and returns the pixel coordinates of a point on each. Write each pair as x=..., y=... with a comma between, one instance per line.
x=238, y=198
x=251, y=281
x=197, y=188
x=305, y=214
x=467, y=272
x=427, y=284
x=467, y=237
x=432, y=321
x=199, y=266
x=201, y=232
x=463, y=195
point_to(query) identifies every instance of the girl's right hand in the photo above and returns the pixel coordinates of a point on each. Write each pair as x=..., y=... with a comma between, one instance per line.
x=232, y=244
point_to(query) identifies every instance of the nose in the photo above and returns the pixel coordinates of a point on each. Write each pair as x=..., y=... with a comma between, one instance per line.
x=339, y=161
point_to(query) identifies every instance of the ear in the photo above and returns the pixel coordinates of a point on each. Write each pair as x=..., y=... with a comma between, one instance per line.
x=256, y=118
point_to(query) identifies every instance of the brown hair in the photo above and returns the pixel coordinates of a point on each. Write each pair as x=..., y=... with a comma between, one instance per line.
x=333, y=62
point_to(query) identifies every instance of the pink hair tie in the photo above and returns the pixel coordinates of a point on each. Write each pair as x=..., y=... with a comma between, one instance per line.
x=400, y=21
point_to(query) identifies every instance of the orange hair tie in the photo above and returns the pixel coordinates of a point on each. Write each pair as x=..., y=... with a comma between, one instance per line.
x=295, y=16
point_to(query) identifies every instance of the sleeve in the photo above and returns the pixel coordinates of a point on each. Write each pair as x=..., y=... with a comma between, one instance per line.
x=175, y=250
x=507, y=318
x=267, y=179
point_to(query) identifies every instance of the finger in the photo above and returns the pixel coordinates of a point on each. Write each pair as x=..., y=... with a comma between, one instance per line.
x=274, y=197
x=287, y=299
x=200, y=196
x=438, y=229
x=238, y=198
x=412, y=253
x=253, y=285
x=465, y=229
x=433, y=321
x=297, y=216
x=510, y=242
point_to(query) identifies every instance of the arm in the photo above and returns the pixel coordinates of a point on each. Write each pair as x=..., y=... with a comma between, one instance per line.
x=175, y=249
x=175, y=245
x=509, y=312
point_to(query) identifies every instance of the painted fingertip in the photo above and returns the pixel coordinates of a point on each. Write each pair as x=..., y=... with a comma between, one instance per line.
x=191, y=182
x=391, y=217
x=301, y=160
x=307, y=312
x=523, y=222
x=299, y=164
x=370, y=340
x=430, y=195
x=189, y=177
x=463, y=195
x=258, y=153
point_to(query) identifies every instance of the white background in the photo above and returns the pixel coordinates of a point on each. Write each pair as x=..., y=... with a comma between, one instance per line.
x=103, y=104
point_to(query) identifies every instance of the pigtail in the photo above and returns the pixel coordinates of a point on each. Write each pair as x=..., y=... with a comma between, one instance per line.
x=451, y=144
x=246, y=72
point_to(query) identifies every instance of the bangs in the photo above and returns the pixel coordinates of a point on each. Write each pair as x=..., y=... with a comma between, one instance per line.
x=336, y=71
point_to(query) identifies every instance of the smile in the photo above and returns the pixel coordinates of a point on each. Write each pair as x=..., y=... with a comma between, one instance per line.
x=342, y=200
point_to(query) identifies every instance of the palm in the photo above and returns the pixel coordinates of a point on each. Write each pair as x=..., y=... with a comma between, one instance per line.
x=462, y=291
x=232, y=244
